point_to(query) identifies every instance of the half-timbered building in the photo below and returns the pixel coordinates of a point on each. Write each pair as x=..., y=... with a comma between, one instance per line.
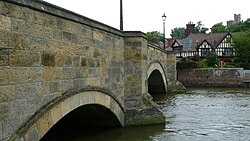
x=201, y=44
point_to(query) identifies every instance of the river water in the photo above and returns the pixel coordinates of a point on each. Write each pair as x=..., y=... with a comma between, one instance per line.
x=200, y=114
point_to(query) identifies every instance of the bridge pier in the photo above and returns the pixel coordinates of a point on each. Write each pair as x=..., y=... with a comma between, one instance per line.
x=139, y=106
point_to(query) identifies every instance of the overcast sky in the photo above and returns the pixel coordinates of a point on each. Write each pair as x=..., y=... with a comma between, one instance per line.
x=146, y=15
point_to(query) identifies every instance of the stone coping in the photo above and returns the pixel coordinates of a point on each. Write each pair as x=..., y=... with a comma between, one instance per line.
x=49, y=8
x=216, y=69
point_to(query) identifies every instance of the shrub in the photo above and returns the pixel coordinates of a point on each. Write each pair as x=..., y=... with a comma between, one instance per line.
x=186, y=63
x=212, y=59
x=202, y=64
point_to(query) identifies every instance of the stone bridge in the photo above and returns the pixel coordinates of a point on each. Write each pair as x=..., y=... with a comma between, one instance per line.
x=55, y=64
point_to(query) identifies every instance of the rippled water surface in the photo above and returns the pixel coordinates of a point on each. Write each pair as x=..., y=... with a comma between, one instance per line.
x=207, y=114
x=200, y=114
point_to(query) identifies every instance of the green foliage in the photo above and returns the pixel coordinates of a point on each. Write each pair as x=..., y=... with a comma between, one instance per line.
x=178, y=32
x=212, y=59
x=202, y=63
x=218, y=28
x=196, y=62
x=242, y=49
x=239, y=27
x=186, y=63
x=200, y=29
x=154, y=36
x=229, y=65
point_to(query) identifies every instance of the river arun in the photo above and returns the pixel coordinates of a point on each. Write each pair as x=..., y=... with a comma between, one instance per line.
x=199, y=114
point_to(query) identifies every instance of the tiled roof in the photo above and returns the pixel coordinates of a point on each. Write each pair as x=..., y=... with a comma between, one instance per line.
x=213, y=39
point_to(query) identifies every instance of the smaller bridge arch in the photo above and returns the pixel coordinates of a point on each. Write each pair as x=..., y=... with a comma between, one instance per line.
x=156, y=79
x=55, y=111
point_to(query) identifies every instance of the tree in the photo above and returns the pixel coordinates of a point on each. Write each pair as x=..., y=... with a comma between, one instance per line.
x=246, y=24
x=154, y=36
x=178, y=32
x=235, y=28
x=242, y=49
x=212, y=59
x=199, y=28
x=239, y=27
x=218, y=28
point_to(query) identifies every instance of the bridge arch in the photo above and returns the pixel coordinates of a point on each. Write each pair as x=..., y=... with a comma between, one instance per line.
x=156, y=78
x=58, y=109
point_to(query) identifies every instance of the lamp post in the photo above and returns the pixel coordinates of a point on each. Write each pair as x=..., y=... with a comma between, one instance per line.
x=121, y=16
x=164, y=19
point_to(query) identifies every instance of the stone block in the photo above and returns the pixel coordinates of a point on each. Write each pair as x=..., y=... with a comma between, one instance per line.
x=59, y=60
x=80, y=72
x=93, y=81
x=18, y=41
x=48, y=59
x=68, y=61
x=76, y=61
x=68, y=72
x=28, y=90
x=19, y=25
x=5, y=22
x=54, y=87
x=32, y=134
x=31, y=74
x=4, y=38
x=66, y=36
x=107, y=100
x=65, y=85
x=25, y=59
x=38, y=44
x=52, y=73
x=33, y=105
x=10, y=125
x=66, y=107
x=4, y=109
x=44, y=124
x=18, y=107
x=98, y=36
x=87, y=98
x=93, y=72
x=83, y=62
x=14, y=76
x=78, y=83
x=7, y=93
x=90, y=62
x=74, y=102
x=86, y=32
x=40, y=30
x=1, y=130
x=96, y=53
x=56, y=113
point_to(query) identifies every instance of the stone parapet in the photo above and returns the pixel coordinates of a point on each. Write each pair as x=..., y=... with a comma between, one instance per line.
x=46, y=51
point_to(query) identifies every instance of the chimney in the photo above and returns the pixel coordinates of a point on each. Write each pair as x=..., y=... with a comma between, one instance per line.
x=190, y=28
x=169, y=42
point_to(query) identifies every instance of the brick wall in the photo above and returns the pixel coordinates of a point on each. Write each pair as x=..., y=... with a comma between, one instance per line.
x=233, y=77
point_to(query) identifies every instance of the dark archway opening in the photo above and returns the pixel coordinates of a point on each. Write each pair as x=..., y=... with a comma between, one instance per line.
x=82, y=123
x=156, y=83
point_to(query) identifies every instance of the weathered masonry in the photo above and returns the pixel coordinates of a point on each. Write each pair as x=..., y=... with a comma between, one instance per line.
x=55, y=63
x=223, y=77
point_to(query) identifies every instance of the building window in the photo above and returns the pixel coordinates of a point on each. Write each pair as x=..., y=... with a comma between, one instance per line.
x=227, y=52
x=204, y=51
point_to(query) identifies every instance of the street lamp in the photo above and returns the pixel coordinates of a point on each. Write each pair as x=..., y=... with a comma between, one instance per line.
x=121, y=16
x=164, y=19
